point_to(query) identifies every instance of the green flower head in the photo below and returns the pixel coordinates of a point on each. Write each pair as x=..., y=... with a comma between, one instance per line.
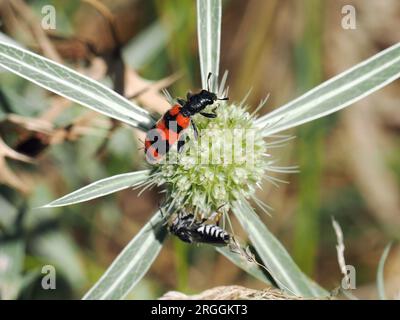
x=227, y=160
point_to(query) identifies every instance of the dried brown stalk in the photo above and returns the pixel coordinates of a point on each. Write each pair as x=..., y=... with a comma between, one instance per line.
x=232, y=293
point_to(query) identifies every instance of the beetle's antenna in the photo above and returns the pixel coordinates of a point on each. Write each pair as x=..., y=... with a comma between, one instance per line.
x=208, y=81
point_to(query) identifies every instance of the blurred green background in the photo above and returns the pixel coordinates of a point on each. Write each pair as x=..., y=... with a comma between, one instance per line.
x=349, y=162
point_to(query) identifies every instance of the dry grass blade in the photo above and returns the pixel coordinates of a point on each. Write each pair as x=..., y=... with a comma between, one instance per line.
x=340, y=248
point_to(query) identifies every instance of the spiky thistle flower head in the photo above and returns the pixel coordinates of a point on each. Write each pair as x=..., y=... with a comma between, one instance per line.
x=228, y=160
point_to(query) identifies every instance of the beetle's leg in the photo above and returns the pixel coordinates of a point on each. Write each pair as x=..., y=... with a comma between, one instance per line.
x=208, y=81
x=211, y=115
x=224, y=98
x=208, y=115
x=163, y=215
x=181, y=144
x=181, y=141
x=195, y=131
x=181, y=101
x=161, y=211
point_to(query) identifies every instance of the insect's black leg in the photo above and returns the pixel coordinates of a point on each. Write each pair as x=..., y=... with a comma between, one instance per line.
x=181, y=141
x=208, y=81
x=196, y=132
x=189, y=95
x=181, y=101
x=181, y=144
x=211, y=115
x=163, y=215
x=161, y=211
x=208, y=115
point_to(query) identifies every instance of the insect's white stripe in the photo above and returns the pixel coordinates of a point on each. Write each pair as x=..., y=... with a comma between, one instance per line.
x=212, y=230
x=217, y=232
x=201, y=229
x=208, y=229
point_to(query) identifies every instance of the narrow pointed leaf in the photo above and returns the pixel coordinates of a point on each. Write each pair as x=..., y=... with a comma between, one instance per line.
x=72, y=85
x=274, y=256
x=380, y=280
x=336, y=93
x=209, y=37
x=132, y=263
x=101, y=188
x=7, y=39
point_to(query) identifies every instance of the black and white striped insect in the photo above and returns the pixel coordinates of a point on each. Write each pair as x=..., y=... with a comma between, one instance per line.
x=190, y=230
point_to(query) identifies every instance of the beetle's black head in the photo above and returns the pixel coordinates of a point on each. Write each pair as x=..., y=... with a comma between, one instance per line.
x=208, y=96
x=199, y=101
x=196, y=103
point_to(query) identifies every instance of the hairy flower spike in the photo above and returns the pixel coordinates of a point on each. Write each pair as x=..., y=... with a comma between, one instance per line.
x=227, y=160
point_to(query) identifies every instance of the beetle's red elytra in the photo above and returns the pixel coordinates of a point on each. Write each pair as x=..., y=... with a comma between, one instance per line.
x=167, y=131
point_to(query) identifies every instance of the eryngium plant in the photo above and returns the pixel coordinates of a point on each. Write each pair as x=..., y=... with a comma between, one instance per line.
x=185, y=181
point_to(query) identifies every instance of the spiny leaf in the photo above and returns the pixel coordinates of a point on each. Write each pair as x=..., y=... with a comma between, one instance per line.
x=132, y=263
x=209, y=37
x=101, y=188
x=336, y=93
x=72, y=85
x=276, y=259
